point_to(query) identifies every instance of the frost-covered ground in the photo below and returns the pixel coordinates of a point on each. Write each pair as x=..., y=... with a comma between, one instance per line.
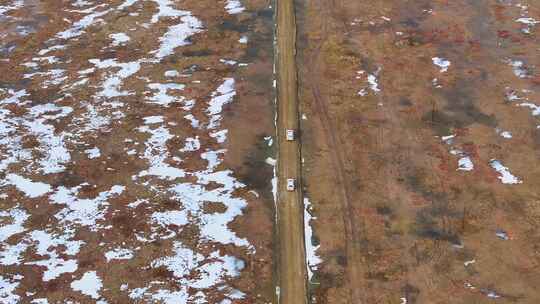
x=112, y=146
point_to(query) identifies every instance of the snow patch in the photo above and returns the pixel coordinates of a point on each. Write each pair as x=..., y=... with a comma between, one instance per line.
x=89, y=284
x=442, y=63
x=504, y=173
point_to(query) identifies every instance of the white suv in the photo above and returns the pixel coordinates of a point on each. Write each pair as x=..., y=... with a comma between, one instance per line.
x=291, y=184
x=290, y=135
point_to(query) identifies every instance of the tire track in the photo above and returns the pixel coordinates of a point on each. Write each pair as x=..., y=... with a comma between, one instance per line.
x=334, y=143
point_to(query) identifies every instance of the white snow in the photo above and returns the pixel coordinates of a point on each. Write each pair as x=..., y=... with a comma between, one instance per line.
x=161, y=97
x=80, y=26
x=174, y=217
x=93, y=153
x=28, y=187
x=14, y=5
x=85, y=212
x=535, y=110
x=148, y=120
x=243, y=39
x=119, y=254
x=234, y=7
x=7, y=289
x=220, y=136
x=192, y=144
x=528, y=23
x=373, y=83
x=223, y=95
x=113, y=82
x=177, y=35
x=312, y=259
x=14, y=224
x=519, y=68
x=46, y=244
x=89, y=284
x=504, y=134
x=119, y=39
x=504, y=173
x=156, y=153
x=171, y=73
x=465, y=164
x=442, y=63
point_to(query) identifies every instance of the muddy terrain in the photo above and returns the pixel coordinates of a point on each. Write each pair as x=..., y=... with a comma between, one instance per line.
x=133, y=151
x=420, y=141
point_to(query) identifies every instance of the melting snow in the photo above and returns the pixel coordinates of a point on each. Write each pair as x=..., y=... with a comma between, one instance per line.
x=14, y=225
x=28, y=187
x=172, y=73
x=519, y=68
x=90, y=284
x=80, y=26
x=119, y=254
x=156, y=153
x=465, y=164
x=243, y=39
x=504, y=134
x=504, y=173
x=85, y=212
x=7, y=289
x=442, y=63
x=119, y=39
x=162, y=97
x=112, y=84
x=528, y=23
x=312, y=259
x=93, y=153
x=222, y=96
x=234, y=7
x=176, y=35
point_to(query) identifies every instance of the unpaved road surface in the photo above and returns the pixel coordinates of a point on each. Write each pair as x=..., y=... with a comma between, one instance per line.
x=291, y=269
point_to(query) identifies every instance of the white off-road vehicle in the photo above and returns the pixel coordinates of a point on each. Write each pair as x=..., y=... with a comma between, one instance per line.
x=291, y=184
x=290, y=135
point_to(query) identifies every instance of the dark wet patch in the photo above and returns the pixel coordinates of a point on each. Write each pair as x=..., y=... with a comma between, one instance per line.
x=412, y=14
x=406, y=102
x=229, y=25
x=68, y=179
x=437, y=222
x=459, y=110
x=384, y=210
x=266, y=13
x=256, y=173
x=415, y=180
x=197, y=53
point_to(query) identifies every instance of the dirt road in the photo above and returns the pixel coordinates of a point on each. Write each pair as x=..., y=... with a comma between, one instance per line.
x=292, y=270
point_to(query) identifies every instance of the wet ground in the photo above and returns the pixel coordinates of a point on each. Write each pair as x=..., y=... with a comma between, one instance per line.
x=420, y=140
x=134, y=139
